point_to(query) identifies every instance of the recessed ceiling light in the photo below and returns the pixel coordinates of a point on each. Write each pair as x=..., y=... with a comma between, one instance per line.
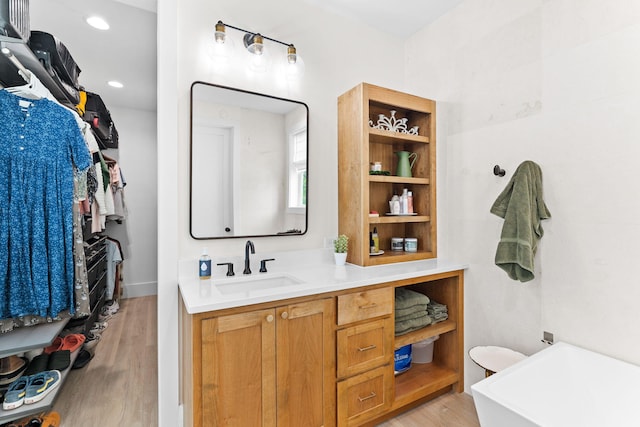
x=98, y=22
x=115, y=84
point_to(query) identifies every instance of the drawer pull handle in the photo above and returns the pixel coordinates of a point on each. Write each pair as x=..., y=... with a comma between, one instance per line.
x=369, y=347
x=366, y=307
x=371, y=396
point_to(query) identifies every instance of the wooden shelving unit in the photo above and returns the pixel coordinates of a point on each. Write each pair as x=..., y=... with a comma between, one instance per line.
x=359, y=144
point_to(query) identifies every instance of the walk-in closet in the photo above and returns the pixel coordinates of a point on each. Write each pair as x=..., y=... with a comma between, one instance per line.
x=65, y=232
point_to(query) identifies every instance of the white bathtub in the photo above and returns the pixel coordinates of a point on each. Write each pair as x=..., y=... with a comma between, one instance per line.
x=561, y=386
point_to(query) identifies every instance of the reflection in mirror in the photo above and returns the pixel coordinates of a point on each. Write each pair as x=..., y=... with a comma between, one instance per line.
x=248, y=164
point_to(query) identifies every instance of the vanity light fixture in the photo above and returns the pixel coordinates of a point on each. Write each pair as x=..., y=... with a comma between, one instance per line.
x=254, y=42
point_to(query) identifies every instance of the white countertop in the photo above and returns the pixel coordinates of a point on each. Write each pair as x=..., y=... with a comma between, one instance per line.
x=316, y=272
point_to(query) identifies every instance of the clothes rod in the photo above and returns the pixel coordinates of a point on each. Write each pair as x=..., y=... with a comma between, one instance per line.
x=24, y=73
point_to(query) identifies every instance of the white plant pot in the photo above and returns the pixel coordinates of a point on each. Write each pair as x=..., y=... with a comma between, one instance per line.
x=341, y=258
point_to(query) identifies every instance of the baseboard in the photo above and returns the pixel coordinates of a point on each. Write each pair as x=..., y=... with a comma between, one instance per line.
x=133, y=290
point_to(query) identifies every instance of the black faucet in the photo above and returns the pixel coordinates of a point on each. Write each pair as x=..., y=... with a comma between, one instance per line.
x=249, y=245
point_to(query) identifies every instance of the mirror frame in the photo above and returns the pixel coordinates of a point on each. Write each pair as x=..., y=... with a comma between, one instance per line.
x=191, y=117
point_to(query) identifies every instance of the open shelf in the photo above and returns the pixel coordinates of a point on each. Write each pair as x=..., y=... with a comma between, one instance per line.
x=388, y=137
x=422, y=380
x=30, y=337
x=424, y=333
x=398, y=179
x=395, y=219
x=44, y=405
x=359, y=146
x=29, y=60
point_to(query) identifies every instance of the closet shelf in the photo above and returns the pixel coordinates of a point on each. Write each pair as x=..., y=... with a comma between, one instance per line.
x=44, y=405
x=10, y=77
x=30, y=337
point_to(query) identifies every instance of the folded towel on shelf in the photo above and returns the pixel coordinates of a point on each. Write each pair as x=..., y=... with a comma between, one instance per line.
x=411, y=316
x=438, y=312
x=522, y=207
x=410, y=310
x=406, y=298
x=413, y=324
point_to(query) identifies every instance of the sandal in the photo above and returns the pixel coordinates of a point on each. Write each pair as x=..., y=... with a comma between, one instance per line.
x=72, y=342
x=55, y=346
x=52, y=419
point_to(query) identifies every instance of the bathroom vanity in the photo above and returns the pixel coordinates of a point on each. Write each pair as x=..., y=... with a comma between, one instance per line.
x=315, y=347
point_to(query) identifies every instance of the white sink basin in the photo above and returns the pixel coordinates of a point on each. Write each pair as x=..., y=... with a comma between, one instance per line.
x=256, y=283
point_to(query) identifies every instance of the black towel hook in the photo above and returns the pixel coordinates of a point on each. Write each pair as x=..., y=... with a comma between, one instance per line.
x=498, y=171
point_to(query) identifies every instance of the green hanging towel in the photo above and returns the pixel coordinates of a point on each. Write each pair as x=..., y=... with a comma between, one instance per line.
x=522, y=207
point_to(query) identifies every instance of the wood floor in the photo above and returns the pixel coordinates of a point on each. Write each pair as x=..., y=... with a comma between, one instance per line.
x=119, y=386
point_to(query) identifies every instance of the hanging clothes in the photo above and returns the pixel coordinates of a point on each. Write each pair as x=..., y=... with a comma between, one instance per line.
x=40, y=143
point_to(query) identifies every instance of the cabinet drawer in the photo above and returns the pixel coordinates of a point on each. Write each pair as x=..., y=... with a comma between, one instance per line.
x=364, y=347
x=364, y=305
x=364, y=396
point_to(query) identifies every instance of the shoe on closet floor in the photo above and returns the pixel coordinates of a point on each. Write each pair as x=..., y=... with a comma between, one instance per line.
x=52, y=419
x=83, y=358
x=40, y=385
x=111, y=308
x=55, y=345
x=14, y=398
x=73, y=342
x=98, y=328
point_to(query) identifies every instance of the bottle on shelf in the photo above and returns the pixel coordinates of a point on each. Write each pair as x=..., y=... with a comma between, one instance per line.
x=376, y=240
x=204, y=265
x=410, y=202
x=404, y=202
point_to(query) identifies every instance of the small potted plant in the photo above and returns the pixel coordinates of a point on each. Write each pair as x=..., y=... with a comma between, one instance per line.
x=340, y=245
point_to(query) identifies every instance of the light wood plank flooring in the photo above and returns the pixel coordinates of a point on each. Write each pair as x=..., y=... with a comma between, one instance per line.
x=119, y=386
x=449, y=410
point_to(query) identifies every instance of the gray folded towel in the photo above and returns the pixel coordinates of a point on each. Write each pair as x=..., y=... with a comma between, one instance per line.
x=406, y=298
x=410, y=310
x=410, y=316
x=413, y=324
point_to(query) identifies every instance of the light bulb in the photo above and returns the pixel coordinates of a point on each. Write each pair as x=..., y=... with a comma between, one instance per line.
x=220, y=35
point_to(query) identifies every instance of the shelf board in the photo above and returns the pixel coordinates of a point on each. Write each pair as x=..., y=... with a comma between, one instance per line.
x=426, y=332
x=30, y=337
x=389, y=137
x=398, y=179
x=421, y=380
x=400, y=256
x=28, y=59
x=398, y=219
x=44, y=405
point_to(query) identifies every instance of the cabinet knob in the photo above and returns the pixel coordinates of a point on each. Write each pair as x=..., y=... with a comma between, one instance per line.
x=270, y=318
x=284, y=315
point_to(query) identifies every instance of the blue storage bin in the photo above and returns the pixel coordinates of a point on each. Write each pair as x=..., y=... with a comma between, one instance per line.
x=402, y=359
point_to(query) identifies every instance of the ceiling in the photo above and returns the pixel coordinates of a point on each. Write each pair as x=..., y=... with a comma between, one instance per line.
x=126, y=52
x=402, y=18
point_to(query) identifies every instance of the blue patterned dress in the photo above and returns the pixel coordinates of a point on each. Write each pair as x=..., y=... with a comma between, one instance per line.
x=40, y=143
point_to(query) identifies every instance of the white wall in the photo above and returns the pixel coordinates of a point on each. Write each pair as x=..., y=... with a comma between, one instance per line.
x=339, y=54
x=136, y=156
x=554, y=82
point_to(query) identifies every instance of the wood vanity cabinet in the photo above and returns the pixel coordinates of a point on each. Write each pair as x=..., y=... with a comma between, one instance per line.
x=368, y=391
x=266, y=367
x=359, y=145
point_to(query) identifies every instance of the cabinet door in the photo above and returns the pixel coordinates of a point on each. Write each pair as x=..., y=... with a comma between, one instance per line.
x=306, y=364
x=238, y=370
